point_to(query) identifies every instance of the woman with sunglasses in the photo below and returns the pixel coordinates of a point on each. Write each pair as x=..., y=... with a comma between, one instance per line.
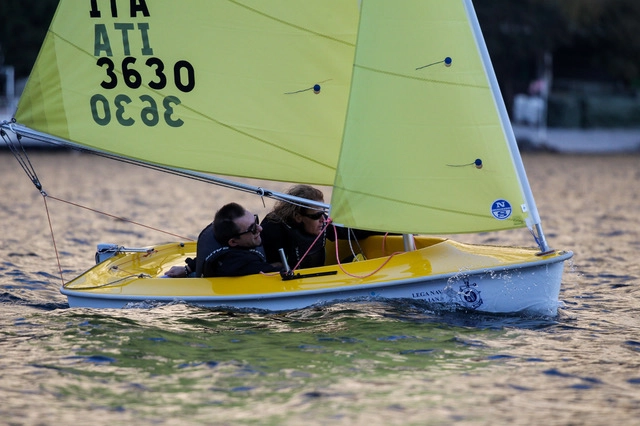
x=301, y=231
x=297, y=229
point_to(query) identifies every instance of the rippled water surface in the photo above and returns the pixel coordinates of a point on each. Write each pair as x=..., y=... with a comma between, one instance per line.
x=365, y=362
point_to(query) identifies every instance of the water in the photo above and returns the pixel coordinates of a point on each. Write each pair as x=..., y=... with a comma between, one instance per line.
x=365, y=363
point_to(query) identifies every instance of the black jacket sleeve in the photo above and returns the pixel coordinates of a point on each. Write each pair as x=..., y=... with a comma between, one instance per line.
x=236, y=263
x=274, y=237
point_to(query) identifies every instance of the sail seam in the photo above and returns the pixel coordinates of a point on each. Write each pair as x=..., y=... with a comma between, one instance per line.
x=393, y=200
x=451, y=83
x=289, y=24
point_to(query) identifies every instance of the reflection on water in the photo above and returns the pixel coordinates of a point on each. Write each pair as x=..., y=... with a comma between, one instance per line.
x=351, y=363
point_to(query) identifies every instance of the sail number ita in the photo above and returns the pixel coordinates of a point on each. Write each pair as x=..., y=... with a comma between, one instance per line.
x=101, y=107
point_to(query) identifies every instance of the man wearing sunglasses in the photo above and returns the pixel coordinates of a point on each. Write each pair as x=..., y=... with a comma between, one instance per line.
x=231, y=246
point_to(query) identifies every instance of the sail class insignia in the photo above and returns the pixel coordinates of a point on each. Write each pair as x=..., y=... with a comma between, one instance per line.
x=501, y=209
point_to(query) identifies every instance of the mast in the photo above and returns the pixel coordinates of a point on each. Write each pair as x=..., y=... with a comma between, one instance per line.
x=508, y=130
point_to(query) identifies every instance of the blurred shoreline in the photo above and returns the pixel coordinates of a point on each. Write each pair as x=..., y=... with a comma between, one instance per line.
x=577, y=141
x=529, y=138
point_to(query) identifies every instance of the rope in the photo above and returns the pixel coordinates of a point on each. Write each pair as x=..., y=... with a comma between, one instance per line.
x=17, y=149
x=120, y=218
x=23, y=159
x=116, y=282
x=349, y=234
x=535, y=237
x=53, y=239
x=321, y=234
x=360, y=276
x=335, y=231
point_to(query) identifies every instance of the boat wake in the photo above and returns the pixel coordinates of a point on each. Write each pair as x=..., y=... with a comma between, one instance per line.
x=405, y=310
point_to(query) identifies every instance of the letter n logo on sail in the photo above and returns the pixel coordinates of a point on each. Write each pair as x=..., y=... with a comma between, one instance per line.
x=501, y=209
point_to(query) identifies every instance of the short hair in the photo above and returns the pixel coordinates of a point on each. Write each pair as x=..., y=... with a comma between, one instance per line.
x=224, y=227
x=285, y=210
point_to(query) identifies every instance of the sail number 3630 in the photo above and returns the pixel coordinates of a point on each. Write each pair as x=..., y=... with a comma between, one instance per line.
x=101, y=110
x=133, y=79
x=183, y=79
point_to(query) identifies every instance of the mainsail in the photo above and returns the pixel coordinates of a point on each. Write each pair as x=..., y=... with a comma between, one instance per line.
x=245, y=88
x=409, y=126
x=425, y=149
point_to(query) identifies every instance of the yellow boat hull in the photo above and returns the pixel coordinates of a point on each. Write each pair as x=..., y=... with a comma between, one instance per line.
x=440, y=271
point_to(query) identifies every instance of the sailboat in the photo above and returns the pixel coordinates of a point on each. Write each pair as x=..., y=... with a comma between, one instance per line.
x=394, y=105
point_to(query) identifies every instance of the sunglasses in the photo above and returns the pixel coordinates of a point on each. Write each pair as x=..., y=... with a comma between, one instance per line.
x=314, y=216
x=253, y=228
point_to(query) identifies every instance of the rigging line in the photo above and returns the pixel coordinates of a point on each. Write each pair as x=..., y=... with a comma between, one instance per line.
x=22, y=158
x=326, y=225
x=53, y=238
x=119, y=218
x=192, y=174
x=350, y=233
x=163, y=169
x=25, y=163
x=115, y=282
x=535, y=237
x=360, y=276
x=232, y=185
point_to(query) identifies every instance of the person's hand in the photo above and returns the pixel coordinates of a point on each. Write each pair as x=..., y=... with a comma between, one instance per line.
x=176, y=272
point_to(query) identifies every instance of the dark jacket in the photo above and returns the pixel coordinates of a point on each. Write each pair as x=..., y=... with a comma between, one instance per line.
x=295, y=242
x=215, y=260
